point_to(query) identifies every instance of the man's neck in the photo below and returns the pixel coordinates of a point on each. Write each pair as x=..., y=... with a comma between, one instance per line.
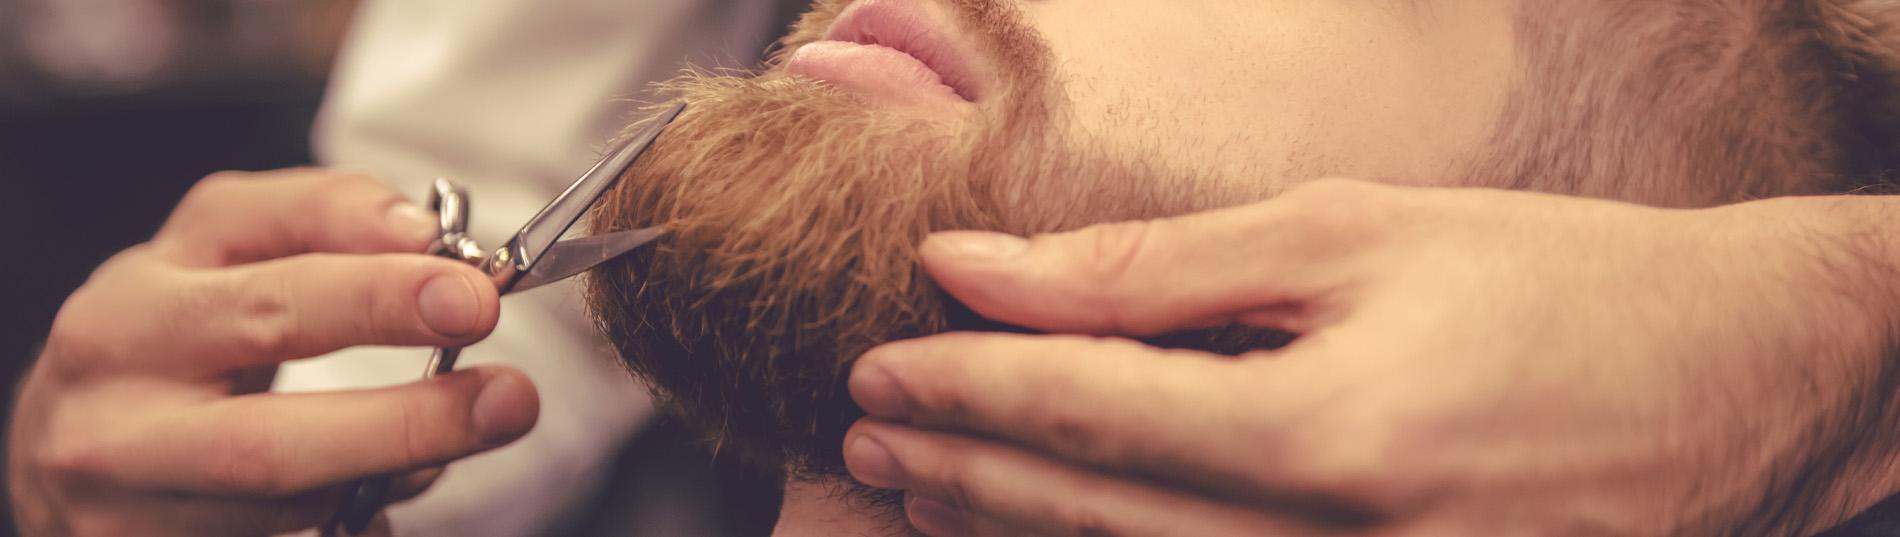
x=813, y=509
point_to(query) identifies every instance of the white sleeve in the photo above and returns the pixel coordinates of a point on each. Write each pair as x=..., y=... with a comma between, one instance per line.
x=513, y=98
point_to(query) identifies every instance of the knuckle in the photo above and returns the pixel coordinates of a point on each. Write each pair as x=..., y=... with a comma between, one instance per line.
x=412, y=413
x=246, y=463
x=387, y=304
x=1113, y=250
x=124, y=260
x=265, y=322
x=1371, y=459
x=209, y=189
x=68, y=459
x=945, y=400
x=74, y=339
x=264, y=337
x=263, y=306
x=1073, y=432
x=1110, y=262
x=952, y=477
x=92, y=327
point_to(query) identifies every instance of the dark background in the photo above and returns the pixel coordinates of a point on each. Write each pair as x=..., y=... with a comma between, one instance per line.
x=111, y=109
x=95, y=150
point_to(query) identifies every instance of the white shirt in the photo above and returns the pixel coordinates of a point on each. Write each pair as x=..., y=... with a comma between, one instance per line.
x=513, y=98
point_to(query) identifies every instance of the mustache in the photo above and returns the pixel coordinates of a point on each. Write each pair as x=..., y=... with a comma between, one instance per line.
x=998, y=30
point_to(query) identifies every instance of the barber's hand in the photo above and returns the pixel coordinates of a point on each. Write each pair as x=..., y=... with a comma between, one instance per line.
x=1470, y=362
x=143, y=415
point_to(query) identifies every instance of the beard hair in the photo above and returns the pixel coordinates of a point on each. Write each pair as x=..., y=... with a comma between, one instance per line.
x=793, y=215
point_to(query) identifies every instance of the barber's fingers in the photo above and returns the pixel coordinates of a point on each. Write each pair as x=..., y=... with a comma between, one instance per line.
x=1283, y=263
x=316, y=303
x=149, y=316
x=278, y=445
x=959, y=484
x=1111, y=403
x=237, y=217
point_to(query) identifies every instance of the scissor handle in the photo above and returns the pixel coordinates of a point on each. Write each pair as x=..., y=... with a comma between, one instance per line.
x=451, y=204
x=367, y=497
x=450, y=201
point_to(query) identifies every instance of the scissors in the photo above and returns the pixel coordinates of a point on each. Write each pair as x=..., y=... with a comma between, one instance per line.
x=533, y=257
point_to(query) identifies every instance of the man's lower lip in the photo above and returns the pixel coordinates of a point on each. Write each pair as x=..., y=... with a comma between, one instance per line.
x=875, y=72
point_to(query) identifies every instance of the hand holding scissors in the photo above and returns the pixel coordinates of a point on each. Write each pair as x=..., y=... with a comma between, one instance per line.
x=533, y=257
x=145, y=413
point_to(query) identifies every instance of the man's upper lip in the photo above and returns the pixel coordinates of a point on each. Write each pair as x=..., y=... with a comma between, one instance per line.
x=910, y=27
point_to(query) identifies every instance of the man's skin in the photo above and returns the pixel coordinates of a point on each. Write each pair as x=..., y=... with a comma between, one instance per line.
x=1285, y=91
x=1472, y=362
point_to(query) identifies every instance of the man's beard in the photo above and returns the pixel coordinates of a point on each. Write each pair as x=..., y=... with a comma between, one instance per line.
x=793, y=214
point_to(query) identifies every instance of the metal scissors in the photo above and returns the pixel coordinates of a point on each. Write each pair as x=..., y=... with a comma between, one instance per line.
x=533, y=257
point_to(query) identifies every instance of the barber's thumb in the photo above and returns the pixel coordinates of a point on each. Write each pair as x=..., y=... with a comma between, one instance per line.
x=1084, y=281
x=1247, y=264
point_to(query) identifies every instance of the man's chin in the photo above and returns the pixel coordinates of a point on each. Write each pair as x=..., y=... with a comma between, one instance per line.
x=793, y=214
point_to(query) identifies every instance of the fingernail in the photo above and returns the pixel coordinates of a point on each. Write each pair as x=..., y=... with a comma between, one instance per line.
x=449, y=306
x=981, y=245
x=500, y=416
x=936, y=518
x=872, y=463
x=879, y=394
x=412, y=223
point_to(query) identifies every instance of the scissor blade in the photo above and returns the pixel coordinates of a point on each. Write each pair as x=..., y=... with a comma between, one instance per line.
x=574, y=256
x=535, y=239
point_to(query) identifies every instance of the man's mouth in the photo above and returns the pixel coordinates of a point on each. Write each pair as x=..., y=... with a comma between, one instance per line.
x=891, y=50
